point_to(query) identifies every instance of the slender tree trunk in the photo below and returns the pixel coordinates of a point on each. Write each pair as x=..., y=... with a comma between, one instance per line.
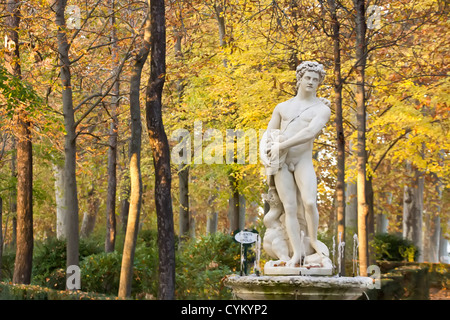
x=437, y=235
x=233, y=204
x=125, y=200
x=184, y=219
x=124, y=192
x=61, y=214
x=13, y=192
x=90, y=215
x=233, y=209
x=213, y=215
x=413, y=210
x=443, y=243
x=161, y=152
x=126, y=272
x=351, y=208
x=183, y=168
x=24, y=248
x=361, y=56
x=370, y=219
x=340, y=183
x=220, y=17
x=110, y=238
x=382, y=222
x=71, y=194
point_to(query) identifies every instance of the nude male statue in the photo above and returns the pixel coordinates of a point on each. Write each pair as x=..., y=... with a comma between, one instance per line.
x=288, y=157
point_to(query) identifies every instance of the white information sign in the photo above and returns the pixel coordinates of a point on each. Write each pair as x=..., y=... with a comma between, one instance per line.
x=246, y=237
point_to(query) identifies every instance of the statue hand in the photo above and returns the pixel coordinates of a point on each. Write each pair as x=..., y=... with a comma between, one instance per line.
x=273, y=152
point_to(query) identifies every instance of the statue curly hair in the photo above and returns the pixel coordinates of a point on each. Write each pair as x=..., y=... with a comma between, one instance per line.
x=310, y=66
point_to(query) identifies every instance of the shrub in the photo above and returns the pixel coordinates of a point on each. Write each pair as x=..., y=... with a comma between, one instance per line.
x=101, y=272
x=32, y=292
x=49, y=261
x=391, y=247
x=7, y=270
x=201, y=265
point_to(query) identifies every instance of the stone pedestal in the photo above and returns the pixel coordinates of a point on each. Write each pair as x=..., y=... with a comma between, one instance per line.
x=298, y=287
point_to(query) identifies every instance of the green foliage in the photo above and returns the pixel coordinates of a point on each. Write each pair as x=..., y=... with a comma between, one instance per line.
x=101, y=272
x=14, y=90
x=49, y=260
x=391, y=247
x=7, y=270
x=145, y=272
x=32, y=292
x=203, y=263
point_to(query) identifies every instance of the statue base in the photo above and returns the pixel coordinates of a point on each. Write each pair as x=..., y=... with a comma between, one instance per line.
x=314, y=265
x=297, y=271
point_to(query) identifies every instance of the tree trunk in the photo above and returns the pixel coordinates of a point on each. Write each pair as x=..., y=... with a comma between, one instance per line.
x=340, y=183
x=351, y=199
x=233, y=204
x=110, y=238
x=351, y=208
x=213, y=215
x=124, y=199
x=183, y=179
x=361, y=56
x=13, y=193
x=413, y=210
x=434, y=231
x=432, y=239
x=161, y=152
x=126, y=272
x=382, y=222
x=370, y=219
x=443, y=243
x=61, y=214
x=124, y=193
x=183, y=168
x=220, y=17
x=89, y=216
x=24, y=246
x=70, y=138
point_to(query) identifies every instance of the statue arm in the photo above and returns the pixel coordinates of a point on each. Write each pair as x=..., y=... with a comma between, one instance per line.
x=275, y=121
x=308, y=133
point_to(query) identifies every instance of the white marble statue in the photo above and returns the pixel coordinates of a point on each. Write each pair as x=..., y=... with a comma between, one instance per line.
x=286, y=152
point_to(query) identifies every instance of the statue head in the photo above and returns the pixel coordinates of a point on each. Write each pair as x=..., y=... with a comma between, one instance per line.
x=310, y=66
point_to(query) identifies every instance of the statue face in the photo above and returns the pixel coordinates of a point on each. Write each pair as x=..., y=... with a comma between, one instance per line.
x=309, y=82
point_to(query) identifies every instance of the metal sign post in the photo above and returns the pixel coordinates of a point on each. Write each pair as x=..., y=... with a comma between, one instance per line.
x=246, y=239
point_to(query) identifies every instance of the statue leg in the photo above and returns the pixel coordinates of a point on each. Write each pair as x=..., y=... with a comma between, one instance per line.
x=306, y=181
x=287, y=191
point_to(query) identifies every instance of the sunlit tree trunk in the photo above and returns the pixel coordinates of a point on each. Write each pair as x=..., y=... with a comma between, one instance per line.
x=361, y=56
x=24, y=244
x=126, y=272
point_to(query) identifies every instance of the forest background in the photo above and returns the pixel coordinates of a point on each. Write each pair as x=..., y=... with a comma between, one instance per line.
x=79, y=77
